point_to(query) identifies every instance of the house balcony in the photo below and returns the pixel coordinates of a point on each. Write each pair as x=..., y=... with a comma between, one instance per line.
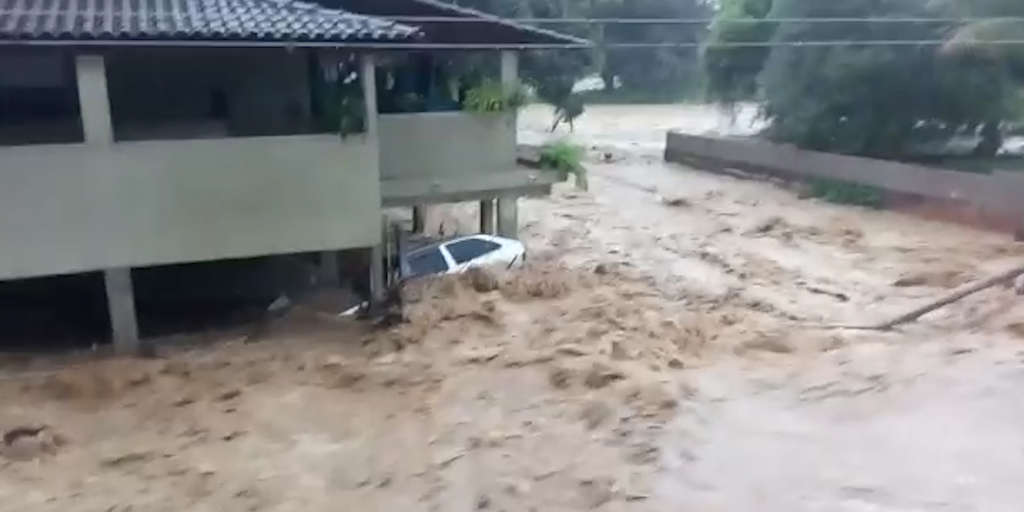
x=440, y=157
x=79, y=207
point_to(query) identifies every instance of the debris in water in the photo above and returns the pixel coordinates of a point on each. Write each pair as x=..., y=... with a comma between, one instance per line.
x=841, y=297
x=940, y=279
x=600, y=375
x=595, y=413
x=126, y=459
x=596, y=492
x=560, y=378
x=183, y=401
x=228, y=395
x=572, y=350
x=29, y=443
x=767, y=225
x=774, y=344
x=676, y=202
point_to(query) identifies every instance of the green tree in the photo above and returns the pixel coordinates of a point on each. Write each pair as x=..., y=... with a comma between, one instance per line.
x=550, y=67
x=659, y=73
x=654, y=73
x=551, y=73
x=731, y=72
x=875, y=100
x=963, y=39
x=967, y=44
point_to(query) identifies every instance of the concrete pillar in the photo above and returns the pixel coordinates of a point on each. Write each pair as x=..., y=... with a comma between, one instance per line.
x=378, y=278
x=330, y=274
x=401, y=245
x=121, y=305
x=368, y=78
x=510, y=79
x=487, y=216
x=378, y=288
x=508, y=217
x=93, y=101
x=419, y=218
x=387, y=233
x=509, y=68
x=94, y=107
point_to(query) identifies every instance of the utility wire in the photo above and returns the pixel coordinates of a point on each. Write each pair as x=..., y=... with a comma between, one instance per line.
x=726, y=44
x=693, y=21
x=723, y=44
x=773, y=44
x=511, y=46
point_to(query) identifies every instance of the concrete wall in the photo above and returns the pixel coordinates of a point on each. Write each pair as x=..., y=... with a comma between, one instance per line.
x=1001, y=192
x=446, y=144
x=76, y=207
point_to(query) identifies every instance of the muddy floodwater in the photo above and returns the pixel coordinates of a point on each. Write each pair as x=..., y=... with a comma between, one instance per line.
x=665, y=349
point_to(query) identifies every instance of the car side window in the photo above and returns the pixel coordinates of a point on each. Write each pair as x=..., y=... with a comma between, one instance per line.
x=428, y=261
x=465, y=250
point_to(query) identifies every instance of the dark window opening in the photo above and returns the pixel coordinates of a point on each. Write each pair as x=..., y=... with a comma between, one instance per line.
x=336, y=93
x=218, y=104
x=465, y=250
x=174, y=94
x=39, y=101
x=422, y=82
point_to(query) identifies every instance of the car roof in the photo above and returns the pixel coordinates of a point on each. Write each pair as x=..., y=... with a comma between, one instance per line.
x=479, y=236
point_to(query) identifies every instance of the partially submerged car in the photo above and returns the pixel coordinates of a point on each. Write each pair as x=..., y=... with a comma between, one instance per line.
x=459, y=254
x=455, y=256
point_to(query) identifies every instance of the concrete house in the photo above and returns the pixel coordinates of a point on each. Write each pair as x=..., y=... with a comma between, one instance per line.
x=151, y=132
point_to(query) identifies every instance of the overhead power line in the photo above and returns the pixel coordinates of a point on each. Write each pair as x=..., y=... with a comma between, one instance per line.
x=525, y=46
x=773, y=44
x=695, y=21
x=726, y=44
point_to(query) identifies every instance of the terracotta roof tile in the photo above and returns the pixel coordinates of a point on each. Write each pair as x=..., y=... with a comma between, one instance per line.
x=174, y=20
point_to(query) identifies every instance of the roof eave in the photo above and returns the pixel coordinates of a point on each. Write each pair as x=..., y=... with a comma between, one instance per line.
x=405, y=44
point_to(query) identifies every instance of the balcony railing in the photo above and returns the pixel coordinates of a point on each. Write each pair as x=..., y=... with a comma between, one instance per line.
x=78, y=207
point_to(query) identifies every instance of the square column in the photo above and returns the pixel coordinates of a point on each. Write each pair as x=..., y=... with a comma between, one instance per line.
x=94, y=106
x=508, y=217
x=487, y=216
x=368, y=79
x=508, y=207
x=93, y=99
x=419, y=219
x=121, y=305
x=510, y=79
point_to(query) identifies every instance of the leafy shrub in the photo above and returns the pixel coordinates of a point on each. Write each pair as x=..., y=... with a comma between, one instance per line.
x=843, y=192
x=567, y=159
x=490, y=96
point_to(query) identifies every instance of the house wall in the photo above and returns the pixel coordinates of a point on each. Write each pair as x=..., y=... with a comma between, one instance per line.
x=446, y=144
x=79, y=207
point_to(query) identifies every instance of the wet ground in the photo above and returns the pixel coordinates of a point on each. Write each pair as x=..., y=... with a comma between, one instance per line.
x=666, y=349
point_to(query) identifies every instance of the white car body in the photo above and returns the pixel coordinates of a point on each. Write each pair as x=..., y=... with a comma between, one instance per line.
x=463, y=253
